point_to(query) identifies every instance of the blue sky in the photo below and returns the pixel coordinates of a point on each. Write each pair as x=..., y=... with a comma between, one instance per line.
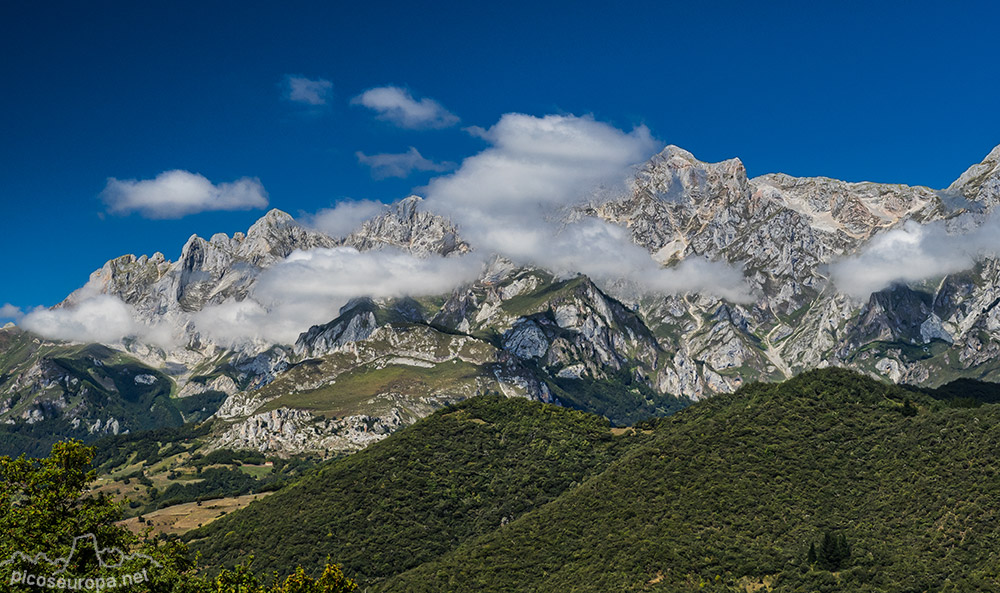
x=889, y=92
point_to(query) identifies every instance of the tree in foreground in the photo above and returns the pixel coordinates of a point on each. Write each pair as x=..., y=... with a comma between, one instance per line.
x=52, y=528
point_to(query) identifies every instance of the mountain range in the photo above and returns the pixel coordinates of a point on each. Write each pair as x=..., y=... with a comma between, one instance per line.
x=817, y=294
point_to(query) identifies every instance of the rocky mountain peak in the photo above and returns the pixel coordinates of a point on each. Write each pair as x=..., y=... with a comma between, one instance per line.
x=275, y=236
x=677, y=202
x=678, y=157
x=208, y=271
x=675, y=154
x=272, y=220
x=780, y=230
x=406, y=226
x=406, y=208
x=675, y=174
x=126, y=277
x=980, y=182
x=993, y=156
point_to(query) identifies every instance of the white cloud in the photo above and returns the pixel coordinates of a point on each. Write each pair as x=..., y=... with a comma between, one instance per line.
x=345, y=217
x=309, y=288
x=9, y=311
x=305, y=90
x=606, y=252
x=400, y=165
x=915, y=252
x=396, y=105
x=173, y=194
x=512, y=198
x=539, y=163
x=236, y=322
x=100, y=318
x=89, y=315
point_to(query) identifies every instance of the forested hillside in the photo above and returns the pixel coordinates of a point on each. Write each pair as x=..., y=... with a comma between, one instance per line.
x=463, y=472
x=827, y=482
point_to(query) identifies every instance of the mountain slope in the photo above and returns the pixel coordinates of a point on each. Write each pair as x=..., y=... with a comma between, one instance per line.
x=785, y=231
x=53, y=391
x=462, y=472
x=731, y=493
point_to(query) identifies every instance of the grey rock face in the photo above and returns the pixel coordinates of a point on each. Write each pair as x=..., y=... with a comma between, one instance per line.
x=981, y=182
x=893, y=314
x=526, y=340
x=356, y=322
x=407, y=227
x=225, y=269
x=287, y=431
x=258, y=370
x=222, y=383
x=784, y=231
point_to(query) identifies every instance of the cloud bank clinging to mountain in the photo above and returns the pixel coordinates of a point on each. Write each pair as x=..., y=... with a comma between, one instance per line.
x=515, y=196
x=915, y=252
x=309, y=288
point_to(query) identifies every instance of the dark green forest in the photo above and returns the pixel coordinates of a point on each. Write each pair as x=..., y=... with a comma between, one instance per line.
x=463, y=472
x=891, y=491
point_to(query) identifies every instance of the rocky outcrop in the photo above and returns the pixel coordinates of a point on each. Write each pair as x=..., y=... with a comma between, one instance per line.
x=898, y=313
x=355, y=323
x=222, y=383
x=287, y=431
x=526, y=340
x=406, y=226
x=980, y=183
x=784, y=231
x=225, y=269
x=780, y=228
